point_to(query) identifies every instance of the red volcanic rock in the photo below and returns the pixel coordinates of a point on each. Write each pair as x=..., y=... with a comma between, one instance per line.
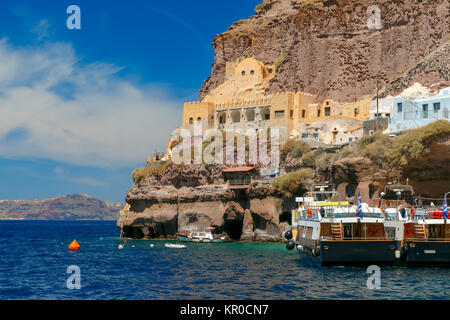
x=328, y=50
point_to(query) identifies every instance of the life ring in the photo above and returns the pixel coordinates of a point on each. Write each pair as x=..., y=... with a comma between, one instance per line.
x=408, y=230
x=309, y=214
x=373, y=229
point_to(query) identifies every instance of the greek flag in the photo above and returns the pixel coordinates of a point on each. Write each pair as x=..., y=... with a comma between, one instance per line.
x=359, y=205
x=445, y=211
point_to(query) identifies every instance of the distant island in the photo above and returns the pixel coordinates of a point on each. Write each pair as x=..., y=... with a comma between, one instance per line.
x=69, y=207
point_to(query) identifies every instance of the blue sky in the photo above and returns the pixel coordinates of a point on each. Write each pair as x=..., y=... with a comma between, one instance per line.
x=80, y=109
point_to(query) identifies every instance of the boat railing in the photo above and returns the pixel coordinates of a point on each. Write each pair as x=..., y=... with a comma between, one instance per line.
x=329, y=238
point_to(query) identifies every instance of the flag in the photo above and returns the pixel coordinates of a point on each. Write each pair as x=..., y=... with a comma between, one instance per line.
x=358, y=213
x=445, y=211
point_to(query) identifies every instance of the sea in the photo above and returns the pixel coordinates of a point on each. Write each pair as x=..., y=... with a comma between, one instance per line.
x=36, y=264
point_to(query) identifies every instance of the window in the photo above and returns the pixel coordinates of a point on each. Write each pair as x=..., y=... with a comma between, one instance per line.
x=425, y=111
x=199, y=120
x=250, y=114
x=399, y=107
x=252, y=72
x=191, y=120
x=304, y=136
x=327, y=111
x=265, y=114
x=316, y=136
x=236, y=116
x=350, y=139
x=356, y=111
x=388, y=115
x=270, y=71
x=445, y=113
x=291, y=113
x=436, y=106
x=279, y=114
x=318, y=112
x=243, y=73
x=303, y=113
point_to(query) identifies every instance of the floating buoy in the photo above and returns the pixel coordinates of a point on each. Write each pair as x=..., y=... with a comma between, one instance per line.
x=101, y=238
x=120, y=246
x=133, y=246
x=74, y=245
x=152, y=245
x=124, y=241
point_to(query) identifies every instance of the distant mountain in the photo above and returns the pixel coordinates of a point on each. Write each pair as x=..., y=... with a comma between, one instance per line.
x=70, y=207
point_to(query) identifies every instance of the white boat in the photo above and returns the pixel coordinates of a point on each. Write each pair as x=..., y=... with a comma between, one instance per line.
x=172, y=245
x=204, y=237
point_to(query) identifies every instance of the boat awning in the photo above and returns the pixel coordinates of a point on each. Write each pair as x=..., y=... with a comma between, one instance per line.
x=238, y=169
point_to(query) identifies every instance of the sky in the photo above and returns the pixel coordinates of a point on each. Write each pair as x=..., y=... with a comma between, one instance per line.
x=81, y=108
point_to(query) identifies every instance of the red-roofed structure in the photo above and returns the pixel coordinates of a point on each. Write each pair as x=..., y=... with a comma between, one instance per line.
x=239, y=177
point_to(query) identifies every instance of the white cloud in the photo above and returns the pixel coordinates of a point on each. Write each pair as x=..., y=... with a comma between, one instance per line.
x=78, y=114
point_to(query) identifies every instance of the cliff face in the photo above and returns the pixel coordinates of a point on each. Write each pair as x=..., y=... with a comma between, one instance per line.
x=70, y=207
x=326, y=48
x=162, y=205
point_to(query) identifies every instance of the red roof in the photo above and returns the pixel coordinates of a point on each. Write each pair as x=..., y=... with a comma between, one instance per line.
x=238, y=169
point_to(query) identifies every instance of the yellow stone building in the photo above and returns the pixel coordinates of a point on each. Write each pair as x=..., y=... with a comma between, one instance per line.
x=241, y=103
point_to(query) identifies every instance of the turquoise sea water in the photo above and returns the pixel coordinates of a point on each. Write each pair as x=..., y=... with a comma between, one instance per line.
x=34, y=260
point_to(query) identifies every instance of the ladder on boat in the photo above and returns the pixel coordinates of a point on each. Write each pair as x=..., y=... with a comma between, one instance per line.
x=419, y=231
x=336, y=231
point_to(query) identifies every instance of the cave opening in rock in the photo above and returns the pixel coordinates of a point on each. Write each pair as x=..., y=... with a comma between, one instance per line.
x=132, y=232
x=286, y=217
x=233, y=228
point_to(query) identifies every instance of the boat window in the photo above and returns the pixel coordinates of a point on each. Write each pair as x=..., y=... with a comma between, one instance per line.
x=201, y=234
x=195, y=234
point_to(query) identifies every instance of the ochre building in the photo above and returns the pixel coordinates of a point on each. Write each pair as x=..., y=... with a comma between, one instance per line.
x=241, y=103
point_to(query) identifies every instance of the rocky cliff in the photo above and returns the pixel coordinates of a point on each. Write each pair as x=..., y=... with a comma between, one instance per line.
x=325, y=47
x=191, y=198
x=70, y=207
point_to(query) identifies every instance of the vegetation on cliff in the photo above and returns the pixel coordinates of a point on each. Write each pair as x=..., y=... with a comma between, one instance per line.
x=294, y=183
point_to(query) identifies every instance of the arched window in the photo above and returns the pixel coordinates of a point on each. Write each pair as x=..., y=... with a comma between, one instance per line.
x=265, y=114
x=191, y=120
x=252, y=72
x=236, y=116
x=199, y=120
x=222, y=117
x=243, y=73
x=250, y=114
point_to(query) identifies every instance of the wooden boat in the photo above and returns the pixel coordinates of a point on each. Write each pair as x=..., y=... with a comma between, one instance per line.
x=203, y=237
x=340, y=234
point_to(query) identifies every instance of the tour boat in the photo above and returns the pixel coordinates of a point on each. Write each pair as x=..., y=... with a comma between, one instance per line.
x=203, y=237
x=426, y=238
x=340, y=234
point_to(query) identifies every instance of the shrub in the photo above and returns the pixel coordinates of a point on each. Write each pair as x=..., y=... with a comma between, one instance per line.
x=325, y=161
x=296, y=148
x=308, y=159
x=415, y=143
x=294, y=182
x=140, y=174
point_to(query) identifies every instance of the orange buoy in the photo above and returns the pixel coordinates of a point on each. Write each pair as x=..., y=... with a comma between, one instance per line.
x=74, y=245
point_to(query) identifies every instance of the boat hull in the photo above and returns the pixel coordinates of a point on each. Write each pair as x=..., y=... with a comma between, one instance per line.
x=427, y=253
x=187, y=239
x=358, y=252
